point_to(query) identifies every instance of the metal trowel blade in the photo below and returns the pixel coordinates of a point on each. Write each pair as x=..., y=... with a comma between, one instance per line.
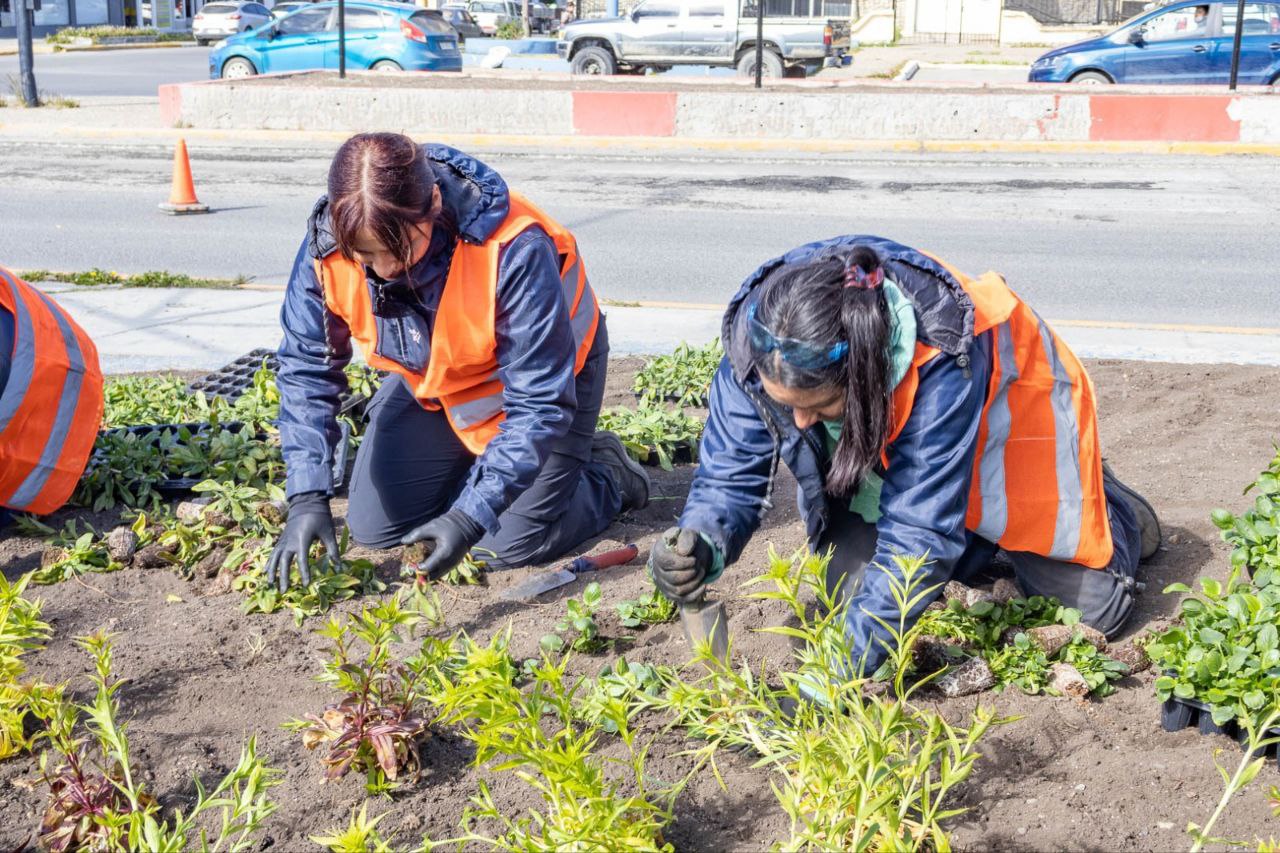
x=707, y=622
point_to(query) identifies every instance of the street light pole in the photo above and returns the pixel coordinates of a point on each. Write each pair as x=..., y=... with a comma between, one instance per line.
x=342, y=39
x=1235, y=45
x=22, y=15
x=759, y=41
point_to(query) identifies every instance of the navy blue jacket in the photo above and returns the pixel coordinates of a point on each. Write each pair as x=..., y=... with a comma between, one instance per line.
x=535, y=342
x=926, y=486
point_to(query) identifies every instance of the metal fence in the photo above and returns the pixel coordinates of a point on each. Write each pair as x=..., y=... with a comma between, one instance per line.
x=1061, y=12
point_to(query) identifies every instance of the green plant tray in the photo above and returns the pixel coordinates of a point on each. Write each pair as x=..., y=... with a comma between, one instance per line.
x=174, y=486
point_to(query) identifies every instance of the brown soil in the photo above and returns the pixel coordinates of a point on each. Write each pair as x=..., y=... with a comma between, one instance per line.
x=1099, y=775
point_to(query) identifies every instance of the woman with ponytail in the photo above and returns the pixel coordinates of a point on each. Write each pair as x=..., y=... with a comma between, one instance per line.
x=923, y=413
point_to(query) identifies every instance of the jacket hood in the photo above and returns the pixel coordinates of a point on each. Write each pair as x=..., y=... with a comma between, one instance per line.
x=474, y=199
x=944, y=312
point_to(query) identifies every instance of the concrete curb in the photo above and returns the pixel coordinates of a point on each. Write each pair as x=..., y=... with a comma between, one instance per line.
x=45, y=47
x=885, y=113
x=908, y=71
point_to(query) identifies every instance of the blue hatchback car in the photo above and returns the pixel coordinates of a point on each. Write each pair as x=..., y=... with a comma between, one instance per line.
x=382, y=36
x=1182, y=43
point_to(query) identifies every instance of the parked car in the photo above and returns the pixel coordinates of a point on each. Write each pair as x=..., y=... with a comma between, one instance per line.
x=279, y=10
x=491, y=14
x=661, y=33
x=1181, y=43
x=460, y=19
x=219, y=20
x=381, y=36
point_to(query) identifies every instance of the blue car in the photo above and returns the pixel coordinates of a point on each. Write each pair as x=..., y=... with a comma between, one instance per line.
x=1181, y=43
x=382, y=36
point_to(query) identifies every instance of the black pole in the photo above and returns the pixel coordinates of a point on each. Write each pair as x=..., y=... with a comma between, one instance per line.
x=759, y=41
x=1235, y=45
x=26, y=56
x=342, y=39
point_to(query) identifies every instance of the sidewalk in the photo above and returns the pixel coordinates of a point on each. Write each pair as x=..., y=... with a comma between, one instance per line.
x=187, y=329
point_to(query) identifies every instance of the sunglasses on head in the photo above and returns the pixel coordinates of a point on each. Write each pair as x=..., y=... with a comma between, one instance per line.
x=802, y=354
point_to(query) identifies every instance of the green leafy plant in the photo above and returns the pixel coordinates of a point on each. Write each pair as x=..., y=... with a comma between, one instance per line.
x=1226, y=652
x=21, y=631
x=653, y=430
x=510, y=30
x=1260, y=735
x=378, y=724
x=652, y=609
x=360, y=836
x=330, y=583
x=632, y=684
x=1255, y=535
x=580, y=622
x=683, y=377
x=96, y=800
x=852, y=771
x=138, y=400
x=79, y=554
x=537, y=734
x=997, y=633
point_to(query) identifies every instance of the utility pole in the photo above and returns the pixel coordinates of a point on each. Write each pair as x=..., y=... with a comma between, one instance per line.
x=23, y=12
x=759, y=41
x=1235, y=45
x=342, y=39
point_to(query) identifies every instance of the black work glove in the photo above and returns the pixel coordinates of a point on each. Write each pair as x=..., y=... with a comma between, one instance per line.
x=450, y=537
x=309, y=520
x=680, y=561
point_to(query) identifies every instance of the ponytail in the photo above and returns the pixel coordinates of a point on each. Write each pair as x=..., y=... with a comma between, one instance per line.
x=834, y=304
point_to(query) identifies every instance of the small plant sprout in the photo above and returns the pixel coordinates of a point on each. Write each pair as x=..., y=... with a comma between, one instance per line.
x=654, y=431
x=683, y=377
x=360, y=835
x=652, y=609
x=852, y=772
x=1260, y=731
x=379, y=723
x=21, y=631
x=330, y=583
x=580, y=622
x=96, y=801
x=82, y=553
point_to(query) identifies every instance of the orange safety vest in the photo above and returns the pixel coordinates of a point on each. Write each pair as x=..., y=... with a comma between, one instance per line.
x=462, y=374
x=51, y=407
x=1037, y=477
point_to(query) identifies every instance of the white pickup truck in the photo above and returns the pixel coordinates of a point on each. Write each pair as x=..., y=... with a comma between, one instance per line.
x=661, y=33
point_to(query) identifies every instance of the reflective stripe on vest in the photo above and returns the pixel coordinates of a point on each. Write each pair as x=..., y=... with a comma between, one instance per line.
x=51, y=406
x=462, y=373
x=1037, y=476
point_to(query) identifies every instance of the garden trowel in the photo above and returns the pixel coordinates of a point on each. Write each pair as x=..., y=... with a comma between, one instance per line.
x=706, y=622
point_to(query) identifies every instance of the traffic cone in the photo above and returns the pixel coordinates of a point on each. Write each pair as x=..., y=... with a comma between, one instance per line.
x=182, y=197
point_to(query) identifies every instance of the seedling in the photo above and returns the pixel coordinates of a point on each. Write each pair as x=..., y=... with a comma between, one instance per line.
x=621, y=691
x=96, y=799
x=580, y=621
x=654, y=431
x=852, y=772
x=652, y=609
x=21, y=631
x=469, y=572
x=360, y=836
x=377, y=726
x=1226, y=652
x=683, y=377
x=82, y=554
x=1255, y=535
x=1259, y=737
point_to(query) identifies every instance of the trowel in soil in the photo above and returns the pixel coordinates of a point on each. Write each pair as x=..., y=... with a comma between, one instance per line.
x=547, y=581
x=706, y=622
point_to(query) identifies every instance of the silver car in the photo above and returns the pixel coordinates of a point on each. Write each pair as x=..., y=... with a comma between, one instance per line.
x=219, y=20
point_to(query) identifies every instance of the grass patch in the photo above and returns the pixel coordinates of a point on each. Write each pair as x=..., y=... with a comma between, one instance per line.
x=151, y=278
x=994, y=62
x=892, y=73
x=43, y=98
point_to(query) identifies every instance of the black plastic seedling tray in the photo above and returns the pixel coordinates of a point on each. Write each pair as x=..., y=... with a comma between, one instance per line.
x=1178, y=714
x=232, y=380
x=681, y=454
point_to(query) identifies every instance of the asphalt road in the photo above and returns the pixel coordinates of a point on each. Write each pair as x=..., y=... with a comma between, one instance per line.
x=1108, y=238
x=114, y=72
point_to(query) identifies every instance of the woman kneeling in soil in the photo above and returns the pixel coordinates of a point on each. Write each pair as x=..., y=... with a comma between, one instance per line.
x=478, y=305
x=922, y=413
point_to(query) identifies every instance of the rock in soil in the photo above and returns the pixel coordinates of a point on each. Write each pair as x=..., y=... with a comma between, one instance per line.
x=52, y=554
x=930, y=654
x=966, y=595
x=1067, y=680
x=122, y=544
x=1005, y=590
x=1131, y=655
x=212, y=562
x=1054, y=638
x=193, y=510
x=972, y=676
x=152, y=556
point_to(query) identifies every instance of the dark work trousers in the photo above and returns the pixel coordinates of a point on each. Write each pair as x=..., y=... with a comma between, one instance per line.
x=1104, y=597
x=411, y=467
